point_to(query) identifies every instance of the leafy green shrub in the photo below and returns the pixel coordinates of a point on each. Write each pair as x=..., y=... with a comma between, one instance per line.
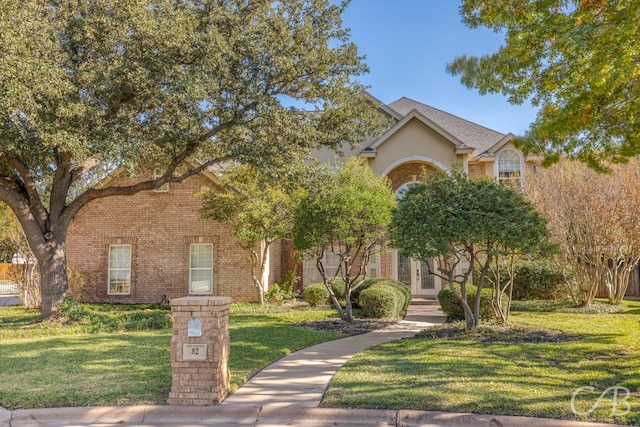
x=453, y=309
x=76, y=284
x=539, y=280
x=404, y=290
x=338, y=287
x=381, y=302
x=355, y=294
x=279, y=293
x=128, y=318
x=316, y=294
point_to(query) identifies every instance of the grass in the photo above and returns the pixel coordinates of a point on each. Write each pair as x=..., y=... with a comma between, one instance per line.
x=120, y=354
x=530, y=369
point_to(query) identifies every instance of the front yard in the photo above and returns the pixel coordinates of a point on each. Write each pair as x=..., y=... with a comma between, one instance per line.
x=100, y=362
x=531, y=369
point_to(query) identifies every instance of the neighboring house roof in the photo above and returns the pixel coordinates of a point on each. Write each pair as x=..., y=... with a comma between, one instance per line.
x=463, y=133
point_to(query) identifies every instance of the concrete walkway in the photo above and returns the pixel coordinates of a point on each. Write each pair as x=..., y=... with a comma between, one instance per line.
x=6, y=300
x=301, y=378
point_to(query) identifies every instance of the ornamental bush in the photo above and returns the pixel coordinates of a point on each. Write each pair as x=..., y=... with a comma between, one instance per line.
x=453, y=309
x=316, y=294
x=537, y=280
x=382, y=302
x=338, y=288
x=355, y=294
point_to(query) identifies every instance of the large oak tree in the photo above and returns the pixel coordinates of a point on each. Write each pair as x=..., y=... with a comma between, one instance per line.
x=90, y=85
x=578, y=60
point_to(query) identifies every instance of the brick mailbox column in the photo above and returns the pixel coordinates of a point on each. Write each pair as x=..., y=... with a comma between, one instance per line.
x=200, y=350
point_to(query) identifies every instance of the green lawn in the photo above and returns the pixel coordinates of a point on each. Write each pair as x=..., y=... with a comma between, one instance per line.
x=531, y=370
x=101, y=361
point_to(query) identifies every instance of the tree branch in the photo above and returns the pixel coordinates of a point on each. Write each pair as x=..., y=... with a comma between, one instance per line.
x=31, y=195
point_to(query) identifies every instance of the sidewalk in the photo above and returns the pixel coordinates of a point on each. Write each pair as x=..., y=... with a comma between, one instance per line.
x=6, y=300
x=301, y=378
x=262, y=416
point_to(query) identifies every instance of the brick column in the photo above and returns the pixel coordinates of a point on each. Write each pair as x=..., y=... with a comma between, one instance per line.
x=200, y=350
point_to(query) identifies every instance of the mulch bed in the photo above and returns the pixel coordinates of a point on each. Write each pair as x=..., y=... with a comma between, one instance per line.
x=355, y=327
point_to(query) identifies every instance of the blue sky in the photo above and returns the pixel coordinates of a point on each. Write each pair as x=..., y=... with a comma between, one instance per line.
x=408, y=43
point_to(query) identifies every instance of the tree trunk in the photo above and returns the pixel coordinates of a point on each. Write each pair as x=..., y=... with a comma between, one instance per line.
x=52, y=266
x=349, y=305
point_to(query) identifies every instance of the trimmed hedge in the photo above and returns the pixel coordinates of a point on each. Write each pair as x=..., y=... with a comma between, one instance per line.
x=538, y=280
x=316, y=294
x=381, y=302
x=355, y=294
x=453, y=309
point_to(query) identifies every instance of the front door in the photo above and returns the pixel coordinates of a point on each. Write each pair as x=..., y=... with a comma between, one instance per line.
x=415, y=274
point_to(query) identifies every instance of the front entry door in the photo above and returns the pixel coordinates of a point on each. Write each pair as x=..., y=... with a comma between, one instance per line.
x=415, y=274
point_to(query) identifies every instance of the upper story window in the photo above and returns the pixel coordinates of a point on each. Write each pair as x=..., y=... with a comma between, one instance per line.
x=157, y=173
x=509, y=167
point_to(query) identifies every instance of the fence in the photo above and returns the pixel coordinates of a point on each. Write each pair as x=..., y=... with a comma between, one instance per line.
x=9, y=275
x=633, y=290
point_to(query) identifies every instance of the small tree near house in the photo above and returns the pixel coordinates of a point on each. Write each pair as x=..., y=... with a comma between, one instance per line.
x=458, y=221
x=345, y=213
x=259, y=210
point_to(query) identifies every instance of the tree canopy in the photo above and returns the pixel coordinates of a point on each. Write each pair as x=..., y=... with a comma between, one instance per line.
x=258, y=208
x=345, y=213
x=577, y=60
x=458, y=221
x=91, y=85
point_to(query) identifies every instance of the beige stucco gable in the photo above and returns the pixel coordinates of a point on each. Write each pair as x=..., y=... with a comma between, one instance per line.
x=414, y=141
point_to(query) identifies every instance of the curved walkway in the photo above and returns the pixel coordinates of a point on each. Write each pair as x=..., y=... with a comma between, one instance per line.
x=301, y=378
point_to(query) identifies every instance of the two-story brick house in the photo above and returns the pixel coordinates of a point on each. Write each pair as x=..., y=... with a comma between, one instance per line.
x=141, y=248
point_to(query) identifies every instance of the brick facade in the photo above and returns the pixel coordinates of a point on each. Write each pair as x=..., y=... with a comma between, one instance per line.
x=408, y=172
x=477, y=170
x=160, y=227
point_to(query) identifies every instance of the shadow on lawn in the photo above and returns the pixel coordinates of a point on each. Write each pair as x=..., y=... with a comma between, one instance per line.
x=492, y=377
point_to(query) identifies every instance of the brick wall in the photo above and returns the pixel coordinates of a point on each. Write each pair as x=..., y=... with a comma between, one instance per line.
x=476, y=170
x=408, y=172
x=160, y=228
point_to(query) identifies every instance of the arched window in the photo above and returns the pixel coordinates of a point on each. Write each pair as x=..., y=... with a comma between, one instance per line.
x=509, y=167
x=403, y=189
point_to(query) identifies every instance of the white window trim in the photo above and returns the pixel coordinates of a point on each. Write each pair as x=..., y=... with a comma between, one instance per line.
x=164, y=188
x=496, y=167
x=191, y=269
x=310, y=264
x=109, y=269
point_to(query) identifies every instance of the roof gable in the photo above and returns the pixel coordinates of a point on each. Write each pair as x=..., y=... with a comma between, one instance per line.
x=414, y=114
x=468, y=134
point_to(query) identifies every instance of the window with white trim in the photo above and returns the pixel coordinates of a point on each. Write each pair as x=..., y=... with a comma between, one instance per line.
x=310, y=273
x=119, y=270
x=373, y=267
x=157, y=173
x=201, y=268
x=509, y=167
